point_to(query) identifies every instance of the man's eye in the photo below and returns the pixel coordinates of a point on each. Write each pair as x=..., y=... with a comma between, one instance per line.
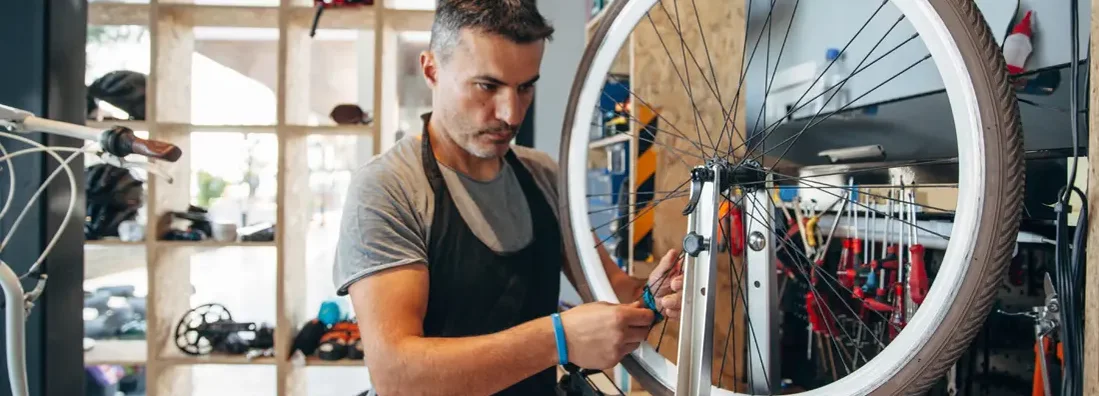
x=486, y=86
x=525, y=88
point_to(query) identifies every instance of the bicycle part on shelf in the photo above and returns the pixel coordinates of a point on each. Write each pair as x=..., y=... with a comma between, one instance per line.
x=309, y=337
x=260, y=232
x=124, y=89
x=114, y=195
x=114, y=312
x=198, y=226
x=209, y=328
x=350, y=114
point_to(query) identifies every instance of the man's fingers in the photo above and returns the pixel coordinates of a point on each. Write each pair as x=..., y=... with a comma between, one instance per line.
x=677, y=283
x=635, y=334
x=637, y=316
x=672, y=313
x=667, y=261
x=672, y=302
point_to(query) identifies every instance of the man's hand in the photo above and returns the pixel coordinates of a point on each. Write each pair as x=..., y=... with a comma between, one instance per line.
x=600, y=334
x=666, y=283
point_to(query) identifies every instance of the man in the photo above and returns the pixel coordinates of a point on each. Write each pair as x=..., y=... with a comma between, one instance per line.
x=450, y=247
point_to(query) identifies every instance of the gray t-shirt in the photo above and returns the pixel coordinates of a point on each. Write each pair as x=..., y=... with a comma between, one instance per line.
x=389, y=207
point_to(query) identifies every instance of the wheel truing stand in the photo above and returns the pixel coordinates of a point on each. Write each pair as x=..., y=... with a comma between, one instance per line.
x=709, y=185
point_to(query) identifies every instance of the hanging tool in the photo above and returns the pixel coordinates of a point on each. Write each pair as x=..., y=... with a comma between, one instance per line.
x=823, y=250
x=917, y=278
x=809, y=251
x=848, y=256
x=322, y=4
x=731, y=231
x=1047, y=321
x=897, y=321
x=820, y=326
x=876, y=280
x=876, y=287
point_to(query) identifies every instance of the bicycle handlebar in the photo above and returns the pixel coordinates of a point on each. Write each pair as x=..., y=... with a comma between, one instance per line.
x=119, y=141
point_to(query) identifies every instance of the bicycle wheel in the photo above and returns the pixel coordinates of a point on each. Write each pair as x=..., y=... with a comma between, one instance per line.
x=968, y=245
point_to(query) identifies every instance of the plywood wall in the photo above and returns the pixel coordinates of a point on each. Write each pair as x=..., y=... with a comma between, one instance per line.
x=675, y=75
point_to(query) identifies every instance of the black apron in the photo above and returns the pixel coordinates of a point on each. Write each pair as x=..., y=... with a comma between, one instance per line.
x=474, y=290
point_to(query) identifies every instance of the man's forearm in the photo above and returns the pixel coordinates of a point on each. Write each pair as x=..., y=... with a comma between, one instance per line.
x=466, y=365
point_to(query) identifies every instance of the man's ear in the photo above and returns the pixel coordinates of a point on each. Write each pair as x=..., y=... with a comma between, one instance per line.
x=429, y=67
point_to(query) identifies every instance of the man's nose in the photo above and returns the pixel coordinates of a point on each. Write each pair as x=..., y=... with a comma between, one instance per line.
x=508, y=108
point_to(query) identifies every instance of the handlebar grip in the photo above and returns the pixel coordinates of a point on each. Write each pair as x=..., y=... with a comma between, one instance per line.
x=121, y=141
x=156, y=149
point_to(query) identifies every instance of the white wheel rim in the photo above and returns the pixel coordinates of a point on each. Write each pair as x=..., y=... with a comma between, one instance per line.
x=971, y=178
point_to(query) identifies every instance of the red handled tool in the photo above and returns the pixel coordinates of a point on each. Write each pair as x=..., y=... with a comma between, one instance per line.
x=731, y=231
x=917, y=277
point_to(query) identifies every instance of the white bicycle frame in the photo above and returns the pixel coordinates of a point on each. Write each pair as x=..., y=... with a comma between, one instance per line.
x=17, y=302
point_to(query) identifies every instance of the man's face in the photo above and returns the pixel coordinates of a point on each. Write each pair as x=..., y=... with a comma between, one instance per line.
x=482, y=92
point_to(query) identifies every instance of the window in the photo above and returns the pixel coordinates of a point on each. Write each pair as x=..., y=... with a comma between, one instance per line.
x=235, y=177
x=234, y=76
x=340, y=71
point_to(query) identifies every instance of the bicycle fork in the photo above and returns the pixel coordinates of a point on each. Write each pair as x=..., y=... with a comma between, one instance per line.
x=709, y=183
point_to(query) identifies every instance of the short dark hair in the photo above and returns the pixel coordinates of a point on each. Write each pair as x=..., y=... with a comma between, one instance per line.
x=517, y=20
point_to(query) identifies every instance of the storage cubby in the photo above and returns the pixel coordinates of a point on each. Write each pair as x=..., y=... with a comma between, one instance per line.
x=246, y=92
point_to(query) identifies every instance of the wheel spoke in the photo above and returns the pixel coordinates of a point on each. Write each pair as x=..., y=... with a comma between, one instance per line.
x=687, y=70
x=672, y=195
x=878, y=212
x=821, y=184
x=636, y=216
x=686, y=86
x=709, y=60
x=630, y=117
x=798, y=105
x=778, y=61
x=815, y=122
x=842, y=51
x=680, y=134
x=744, y=73
x=820, y=272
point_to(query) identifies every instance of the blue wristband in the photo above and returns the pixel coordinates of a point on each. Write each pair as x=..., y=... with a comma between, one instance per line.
x=559, y=335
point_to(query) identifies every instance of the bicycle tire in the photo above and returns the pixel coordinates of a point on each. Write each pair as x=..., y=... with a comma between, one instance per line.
x=1000, y=208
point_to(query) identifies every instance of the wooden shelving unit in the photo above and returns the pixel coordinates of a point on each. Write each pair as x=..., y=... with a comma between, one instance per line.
x=169, y=118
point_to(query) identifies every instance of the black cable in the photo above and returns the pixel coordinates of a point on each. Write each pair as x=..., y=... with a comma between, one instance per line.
x=1069, y=286
x=1074, y=104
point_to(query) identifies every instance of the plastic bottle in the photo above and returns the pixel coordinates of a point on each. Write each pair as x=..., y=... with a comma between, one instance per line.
x=832, y=100
x=1017, y=46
